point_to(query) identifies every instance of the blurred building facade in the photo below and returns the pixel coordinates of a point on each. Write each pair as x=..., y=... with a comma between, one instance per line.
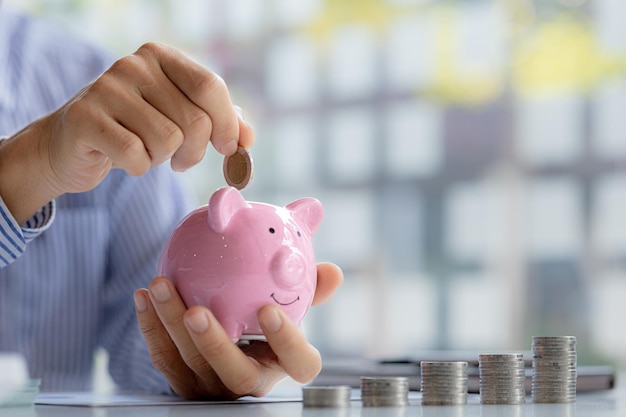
x=470, y=155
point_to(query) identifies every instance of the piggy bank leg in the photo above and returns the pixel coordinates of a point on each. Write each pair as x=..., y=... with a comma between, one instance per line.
x=233, y=329
x=252, y=337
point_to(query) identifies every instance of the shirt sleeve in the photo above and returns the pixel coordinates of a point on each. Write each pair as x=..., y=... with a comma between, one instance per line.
x=14, y=238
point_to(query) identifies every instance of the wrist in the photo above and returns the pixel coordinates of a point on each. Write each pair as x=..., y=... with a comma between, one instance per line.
x=25, y=185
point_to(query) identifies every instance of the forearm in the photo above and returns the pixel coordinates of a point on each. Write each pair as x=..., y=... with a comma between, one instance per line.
x=24, y=181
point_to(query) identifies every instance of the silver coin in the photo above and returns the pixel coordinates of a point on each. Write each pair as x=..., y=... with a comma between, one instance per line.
x=384, y=391
x=238, y=168
x=326, y=396
x=554, y=369
x=444, y=383
x=502, y=378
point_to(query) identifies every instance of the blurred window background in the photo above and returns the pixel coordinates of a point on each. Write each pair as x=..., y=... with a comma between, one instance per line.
x=470, y=155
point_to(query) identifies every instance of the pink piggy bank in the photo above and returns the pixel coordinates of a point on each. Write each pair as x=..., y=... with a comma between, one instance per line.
x=234, y=257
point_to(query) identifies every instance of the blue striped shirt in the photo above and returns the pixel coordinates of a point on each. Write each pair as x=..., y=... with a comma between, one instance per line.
x=67, y=276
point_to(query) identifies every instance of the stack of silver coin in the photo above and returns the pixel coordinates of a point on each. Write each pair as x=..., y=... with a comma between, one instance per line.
x=326, y=396
x=502, y=377
x=384, y=391
x=444, y=383
x=554, y=369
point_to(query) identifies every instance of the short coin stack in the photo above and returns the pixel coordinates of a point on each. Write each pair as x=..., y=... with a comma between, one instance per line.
x=326, y=396
x=554, y=369
x=502, y=377
x=444, y=383
x=384, y=391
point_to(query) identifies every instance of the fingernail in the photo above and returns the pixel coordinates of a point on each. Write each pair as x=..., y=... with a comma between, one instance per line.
x=141, y=304
x=161, y=292
x=238, y=111
x=229, y=148
x=272, y=321
x=197, y=322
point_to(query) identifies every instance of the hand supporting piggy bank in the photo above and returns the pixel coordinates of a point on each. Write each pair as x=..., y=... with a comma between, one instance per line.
x=234, y=257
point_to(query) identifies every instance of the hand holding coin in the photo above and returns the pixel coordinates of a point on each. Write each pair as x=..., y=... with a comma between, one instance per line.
x=238, y=168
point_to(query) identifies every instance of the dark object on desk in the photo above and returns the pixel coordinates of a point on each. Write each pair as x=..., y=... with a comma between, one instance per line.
x=349, y=371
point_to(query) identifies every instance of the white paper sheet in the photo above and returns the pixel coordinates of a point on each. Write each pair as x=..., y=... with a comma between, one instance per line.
x=89, y=399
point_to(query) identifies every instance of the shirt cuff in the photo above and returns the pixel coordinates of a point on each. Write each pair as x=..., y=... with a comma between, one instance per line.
x=14, y=238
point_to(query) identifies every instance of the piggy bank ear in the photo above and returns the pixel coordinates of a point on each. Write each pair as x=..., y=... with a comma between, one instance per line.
x=223, y=204
x=308, y=212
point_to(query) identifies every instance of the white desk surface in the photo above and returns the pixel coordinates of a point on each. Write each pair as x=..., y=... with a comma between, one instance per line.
x=601, y=403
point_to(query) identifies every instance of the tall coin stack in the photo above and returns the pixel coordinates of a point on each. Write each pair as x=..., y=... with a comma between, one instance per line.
x=554, y=366
x=444, y=383
x=502, y=377
x=384, y=391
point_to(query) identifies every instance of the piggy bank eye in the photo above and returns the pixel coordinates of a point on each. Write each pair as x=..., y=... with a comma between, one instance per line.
x=272, y=230
x=299, y=234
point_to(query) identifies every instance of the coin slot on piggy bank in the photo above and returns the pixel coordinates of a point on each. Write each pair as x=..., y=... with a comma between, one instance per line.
x=235, y=257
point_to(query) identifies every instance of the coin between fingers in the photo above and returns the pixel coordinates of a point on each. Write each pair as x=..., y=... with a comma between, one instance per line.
x=238, y=168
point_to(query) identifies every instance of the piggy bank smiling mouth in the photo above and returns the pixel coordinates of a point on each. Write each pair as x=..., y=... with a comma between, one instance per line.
x=273, y=297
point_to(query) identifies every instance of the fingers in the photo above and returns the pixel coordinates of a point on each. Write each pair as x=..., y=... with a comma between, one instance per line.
x=184, y=133
x=296, y=356
x=246, y=132
x=198, y=358
x=155, y=105
x=146, y=136
x=329, y=278
x=163, y=352
x=190, y=376
x=202, y=87
x=171, y=310
x=239, y=373
x=216, y=367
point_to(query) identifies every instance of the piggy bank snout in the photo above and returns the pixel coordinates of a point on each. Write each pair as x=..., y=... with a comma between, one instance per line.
x=289, y=268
